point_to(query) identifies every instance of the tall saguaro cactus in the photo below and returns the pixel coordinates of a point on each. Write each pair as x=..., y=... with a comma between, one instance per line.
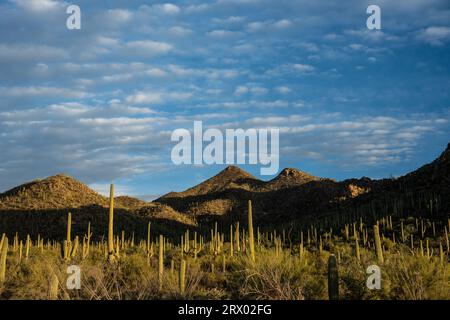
x=111, y=252
x=378, y=248
x=87, y=242
x=28, y=246
x=333, y=278
x=148, y=237
x=69, y=228
x=236, y=235
x=358, y=254
x=231, y=240
x=161, y=260
x=3, y=255
x=250, y=231
x=182, y=277
x=67, y=245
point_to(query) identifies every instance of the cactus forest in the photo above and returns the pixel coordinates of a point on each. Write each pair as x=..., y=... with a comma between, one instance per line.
x=234, y=261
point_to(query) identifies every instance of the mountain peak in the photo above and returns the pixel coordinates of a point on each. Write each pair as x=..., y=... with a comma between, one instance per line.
x=290, y=177
x=292, y=172
x=232, y=177
x=235, y=172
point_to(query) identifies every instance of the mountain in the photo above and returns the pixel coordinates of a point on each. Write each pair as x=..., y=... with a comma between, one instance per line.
x=231, y=177
x=41, y=206
x=59, y=192
x=226, y=194
x=55, y=192
x=294, y=194
x=291, y=197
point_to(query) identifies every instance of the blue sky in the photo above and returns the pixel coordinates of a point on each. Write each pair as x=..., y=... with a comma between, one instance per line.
x=100, y=103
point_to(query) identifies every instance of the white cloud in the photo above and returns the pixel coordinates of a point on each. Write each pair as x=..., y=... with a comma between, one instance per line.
x=144, y=98
x=149, y=47
x=282, y=24
x=240, y=90
x=39, y=5
x=223, y=33
x=260, y=26
x=283, y=90
x=30, y=52
x=154, y=97
x=229, y=20
x=258, y=90
x=436, y=36
x=167, y=8
x=119, y=15
x=291, y=68
x=41, y=91
x=303, y=68
x=180, y=31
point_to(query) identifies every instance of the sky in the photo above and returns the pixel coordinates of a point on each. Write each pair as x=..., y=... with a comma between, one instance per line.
x=101, y=103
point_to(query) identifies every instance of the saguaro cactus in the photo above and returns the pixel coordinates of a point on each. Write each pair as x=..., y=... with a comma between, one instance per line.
x=301, y=248
x=251, y=238
x=231, y=241
x=27, y=249
x=358, y=253
x=182, y=278
x=87, y=242
x=224, y=263
x=69, y=228
x=1, y=241
x=67, y=245
x=236, y=234
x=3, y=255
x=161, y=260
x=378, y=248
x=74, y=248
x=402, y=231
x=111, y=252
x=20, y=250
x=148, y=238
x=333, y=278
x=446, y=239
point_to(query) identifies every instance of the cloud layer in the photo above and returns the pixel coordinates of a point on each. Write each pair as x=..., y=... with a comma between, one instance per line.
x=100, y=103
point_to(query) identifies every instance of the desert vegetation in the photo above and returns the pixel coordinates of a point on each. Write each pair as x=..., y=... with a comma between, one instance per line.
x=234, y=262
